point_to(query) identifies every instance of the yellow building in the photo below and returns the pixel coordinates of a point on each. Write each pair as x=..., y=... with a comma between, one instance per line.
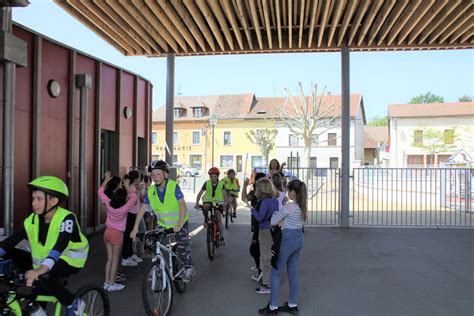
x=233, y=115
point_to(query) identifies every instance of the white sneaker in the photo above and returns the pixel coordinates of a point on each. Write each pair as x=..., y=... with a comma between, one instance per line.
x=254, y=269
x=188, y=275
x=106, y=286
x=115, y=287
x=136, y=258
x=129, y=262
x=257, y=277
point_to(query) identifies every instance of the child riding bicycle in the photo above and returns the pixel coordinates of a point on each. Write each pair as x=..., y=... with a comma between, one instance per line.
x=232, y=186
x=214, y=194
x=58, y=246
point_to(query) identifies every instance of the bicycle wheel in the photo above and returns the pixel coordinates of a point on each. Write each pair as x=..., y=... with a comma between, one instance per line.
x=233, y=211
x=211, y=246
x=227, y=216
x=179, y=284
x=157, y=295
x=95, y=298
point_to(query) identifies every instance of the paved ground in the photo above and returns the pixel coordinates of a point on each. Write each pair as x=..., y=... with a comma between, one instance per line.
x=357, y=271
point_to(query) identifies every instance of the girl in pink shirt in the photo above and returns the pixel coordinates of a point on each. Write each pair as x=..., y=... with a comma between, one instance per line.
x=117, y=208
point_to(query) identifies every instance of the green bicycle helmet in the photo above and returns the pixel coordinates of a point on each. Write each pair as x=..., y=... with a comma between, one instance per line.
x=50, y=185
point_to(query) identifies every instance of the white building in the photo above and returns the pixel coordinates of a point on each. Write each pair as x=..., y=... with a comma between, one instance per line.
x=428, y=134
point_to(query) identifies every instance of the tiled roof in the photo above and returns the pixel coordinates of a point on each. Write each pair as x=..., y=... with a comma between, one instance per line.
x=373, y=135
x=246, y=106
x=431, y=109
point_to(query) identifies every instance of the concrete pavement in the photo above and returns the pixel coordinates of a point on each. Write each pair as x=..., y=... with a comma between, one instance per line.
x=357, y=271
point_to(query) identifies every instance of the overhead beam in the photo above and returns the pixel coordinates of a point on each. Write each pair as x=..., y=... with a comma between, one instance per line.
x=216, y=9
x=381, y=17
x=376, y=5
x=462, y=22
x=290, y=24
x=324, y=20
x=300, y=35
x=335, y=20
x=393, y=17
x=266, y=13
x=364, y=5
x=312, y=23
x=429, y=16
x=256, y=24
x=189, y=4
x=227, y=5
x=350, y=9
x=442, y=16
x=206, y=12
x=278, y=21
x=189, y=23
x=407, y=13
x=450, y=20
x=178, y=24
x=243, y=20
x=415, y=18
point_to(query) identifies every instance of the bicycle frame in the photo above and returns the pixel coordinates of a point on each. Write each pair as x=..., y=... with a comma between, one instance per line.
x=160, y=248
x=15, y=307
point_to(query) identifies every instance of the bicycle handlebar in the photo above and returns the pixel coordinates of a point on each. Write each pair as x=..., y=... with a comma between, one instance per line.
x=156, y=234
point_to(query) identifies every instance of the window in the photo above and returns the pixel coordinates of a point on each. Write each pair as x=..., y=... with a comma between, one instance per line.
x=449, y=136
x=175, y=138
x=332, y=139
x=293, y=162
x=154, y=138
x=195, y=161
x=227, y=161
x=313, y=162
x=227, y=138
x=196, y=138
x=293, y=140
x=177, y=112
x=415, y=160
x=418, y=137
x=197, y=112
x=175, y=158
x=256, y=161
x=334, y=162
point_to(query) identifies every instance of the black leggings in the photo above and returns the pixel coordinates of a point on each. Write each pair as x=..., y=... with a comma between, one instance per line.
x=50, y=286
x=127, y=249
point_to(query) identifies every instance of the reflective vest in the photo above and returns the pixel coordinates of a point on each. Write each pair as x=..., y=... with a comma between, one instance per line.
x=75, y=253
x=167, y=211
x=231, y=185
x=218, y=197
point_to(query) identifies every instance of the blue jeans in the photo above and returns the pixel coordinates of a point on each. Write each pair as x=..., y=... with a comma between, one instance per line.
x=290, y=248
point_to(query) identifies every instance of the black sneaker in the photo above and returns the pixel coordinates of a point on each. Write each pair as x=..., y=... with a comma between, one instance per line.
x=267, y=311
x=287, y=309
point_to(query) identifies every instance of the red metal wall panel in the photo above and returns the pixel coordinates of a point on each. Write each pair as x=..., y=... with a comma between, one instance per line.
x=141, y=108
x=126, y=125
x=54, y=131
x=108, y=97
x=23, y=133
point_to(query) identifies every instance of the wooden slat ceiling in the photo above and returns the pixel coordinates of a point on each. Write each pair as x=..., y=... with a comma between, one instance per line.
x=200, y=27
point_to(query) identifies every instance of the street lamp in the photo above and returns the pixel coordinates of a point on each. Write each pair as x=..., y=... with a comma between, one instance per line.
x=213, y=122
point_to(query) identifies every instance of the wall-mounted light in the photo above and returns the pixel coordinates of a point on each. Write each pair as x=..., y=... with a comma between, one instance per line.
x=54, y=89
x=127, y=112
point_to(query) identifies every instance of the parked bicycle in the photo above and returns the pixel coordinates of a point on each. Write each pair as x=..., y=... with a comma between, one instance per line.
x=166, y=272
x=213, y=238
x=16, y=298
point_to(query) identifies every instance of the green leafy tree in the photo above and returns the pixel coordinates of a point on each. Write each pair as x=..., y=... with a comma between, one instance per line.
x=309, y=117
x=465, y=98
x=435, y=141
x=379, y=121
x=264, y=139
x=427, y=98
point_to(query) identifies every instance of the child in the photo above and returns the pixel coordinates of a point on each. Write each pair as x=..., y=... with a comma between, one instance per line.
x=232, y=186
x=117, y=210
x=58, y=246
x=278, y=183
x=293, y=215
x=215, y=194
x=266, y=206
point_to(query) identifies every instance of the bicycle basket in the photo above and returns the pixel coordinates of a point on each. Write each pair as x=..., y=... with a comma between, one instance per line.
x=6, y=267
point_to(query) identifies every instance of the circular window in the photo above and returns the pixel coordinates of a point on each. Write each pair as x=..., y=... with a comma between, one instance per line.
x=127, y=112
x=54, y=89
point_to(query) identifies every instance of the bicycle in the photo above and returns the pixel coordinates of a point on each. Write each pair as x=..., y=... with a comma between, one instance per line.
x=229, y=209
x=213, y=238
x=157, y=288
x=16, y=298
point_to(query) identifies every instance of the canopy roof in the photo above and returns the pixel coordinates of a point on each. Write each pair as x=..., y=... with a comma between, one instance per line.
x=200, y=27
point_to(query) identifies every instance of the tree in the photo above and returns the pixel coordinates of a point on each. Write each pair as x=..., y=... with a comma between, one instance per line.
x=264, y=139
x=465, y=98
x=435, y=141
x=379, y=121
x=427, y=98
x=309, y=117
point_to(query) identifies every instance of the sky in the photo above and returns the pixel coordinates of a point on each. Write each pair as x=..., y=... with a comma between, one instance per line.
x=383, y=78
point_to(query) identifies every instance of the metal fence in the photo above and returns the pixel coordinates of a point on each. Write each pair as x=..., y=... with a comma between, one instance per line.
x=412, y=197
x=392, y=196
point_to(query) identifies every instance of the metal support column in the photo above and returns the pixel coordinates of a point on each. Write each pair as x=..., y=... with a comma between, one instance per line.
x=12, y=53
x=345, y=148
x=170, y=112
x=84, y=83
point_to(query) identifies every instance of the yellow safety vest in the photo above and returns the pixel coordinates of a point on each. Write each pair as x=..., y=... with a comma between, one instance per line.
x=218, y=197
x=75, y=253
x=168, y=210
x=231, y=185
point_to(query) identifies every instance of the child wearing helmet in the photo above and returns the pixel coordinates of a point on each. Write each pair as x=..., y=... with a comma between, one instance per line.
x=57, y=243
x=232, y=186
x=214, y=194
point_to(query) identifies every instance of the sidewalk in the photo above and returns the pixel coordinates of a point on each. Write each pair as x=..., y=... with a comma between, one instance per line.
x=358, y=271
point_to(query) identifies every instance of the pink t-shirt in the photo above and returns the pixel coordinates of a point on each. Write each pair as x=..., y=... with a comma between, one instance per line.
x=135, y=208
x=117, y=217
